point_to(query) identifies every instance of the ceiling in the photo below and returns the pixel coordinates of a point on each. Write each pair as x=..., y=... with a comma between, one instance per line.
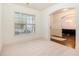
x=38, y=6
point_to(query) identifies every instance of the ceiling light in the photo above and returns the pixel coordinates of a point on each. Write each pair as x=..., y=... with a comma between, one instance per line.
x=65, y=9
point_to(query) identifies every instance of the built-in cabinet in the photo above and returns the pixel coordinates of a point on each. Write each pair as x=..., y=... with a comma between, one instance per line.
x=55, y=25
x=62, y=19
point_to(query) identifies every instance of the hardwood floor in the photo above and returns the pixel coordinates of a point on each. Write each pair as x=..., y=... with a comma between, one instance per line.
x=70, y=41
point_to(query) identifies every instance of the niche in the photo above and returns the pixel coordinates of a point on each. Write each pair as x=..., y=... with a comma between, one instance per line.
x=63, y=27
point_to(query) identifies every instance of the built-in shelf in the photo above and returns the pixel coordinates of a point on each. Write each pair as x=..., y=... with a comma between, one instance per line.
x=68, y=31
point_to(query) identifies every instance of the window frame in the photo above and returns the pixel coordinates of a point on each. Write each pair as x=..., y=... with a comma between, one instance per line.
x=25, y=23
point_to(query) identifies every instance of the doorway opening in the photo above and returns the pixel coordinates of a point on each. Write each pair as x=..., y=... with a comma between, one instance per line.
x=63, y=27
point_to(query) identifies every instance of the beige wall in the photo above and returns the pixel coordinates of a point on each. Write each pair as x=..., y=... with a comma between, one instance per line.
x=0, y=27
x=9, y=20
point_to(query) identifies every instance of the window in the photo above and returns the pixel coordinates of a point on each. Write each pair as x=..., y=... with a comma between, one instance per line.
x=24, y=23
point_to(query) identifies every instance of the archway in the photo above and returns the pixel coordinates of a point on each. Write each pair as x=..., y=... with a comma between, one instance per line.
x=63, y=27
